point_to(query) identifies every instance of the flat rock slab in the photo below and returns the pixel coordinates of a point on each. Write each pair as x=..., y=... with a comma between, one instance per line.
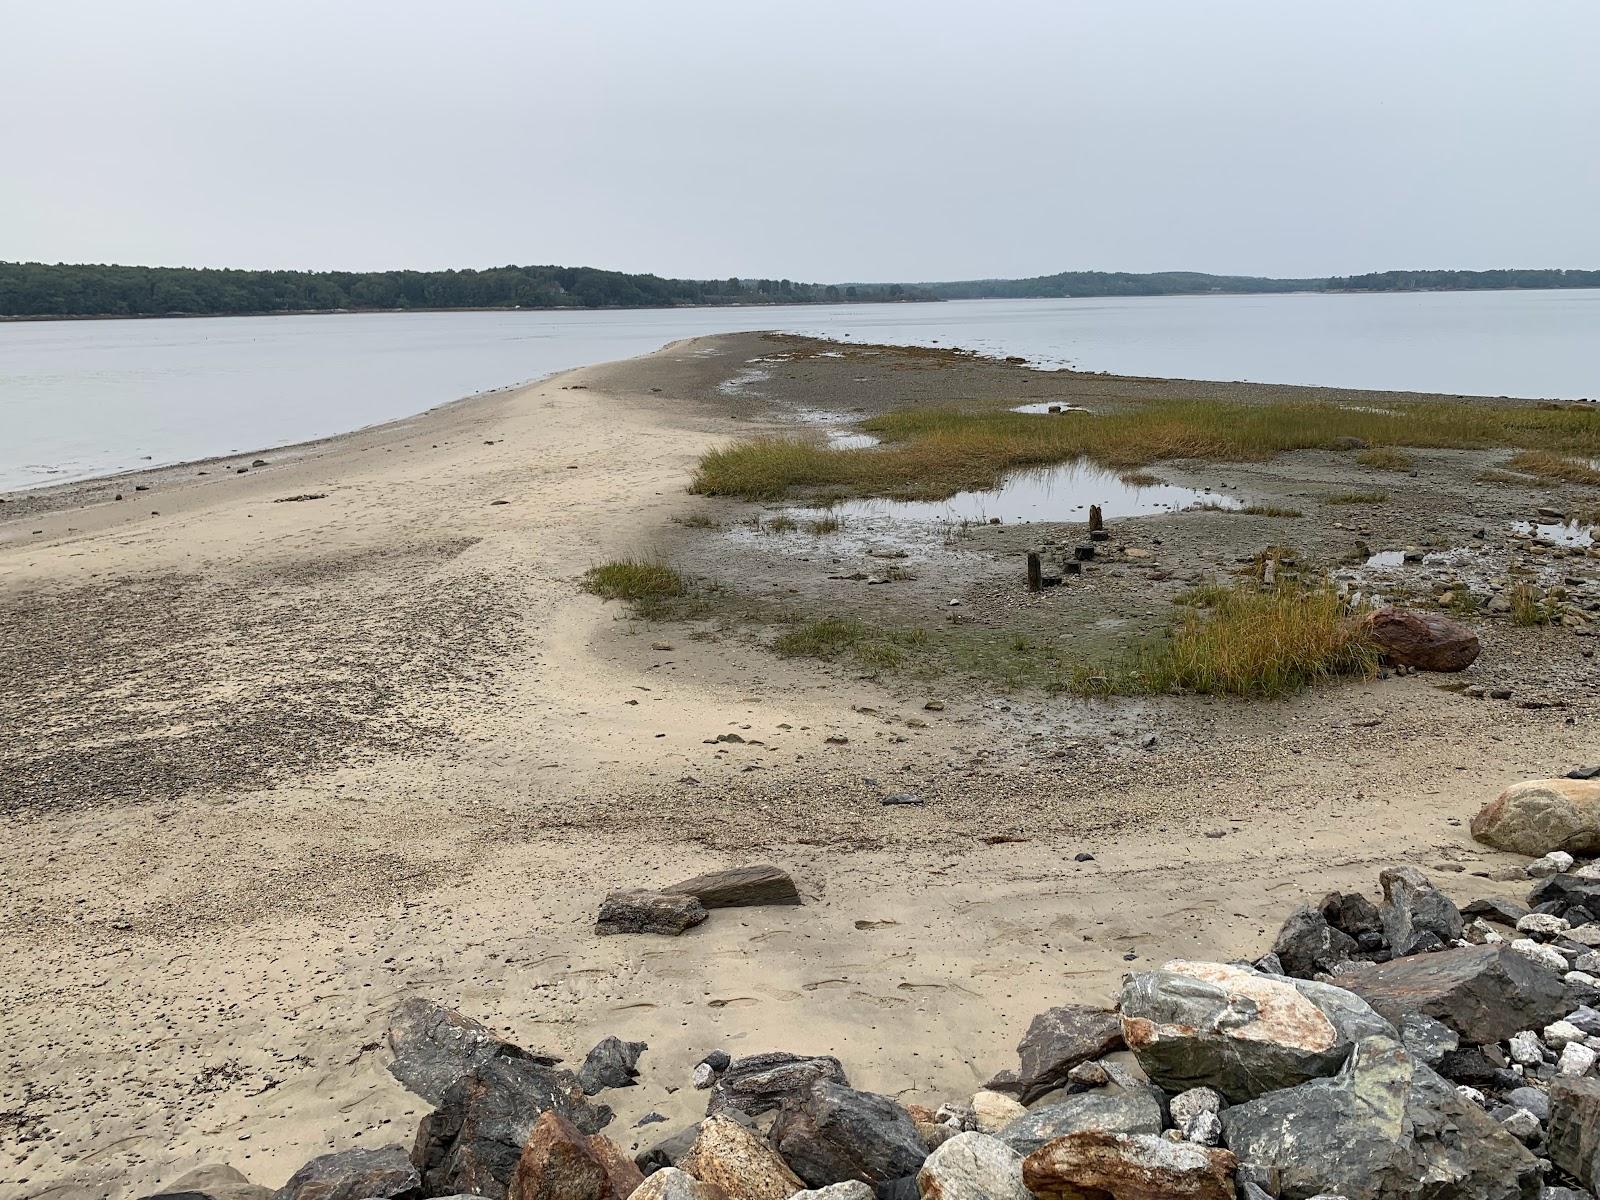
x=385, y=1173
x=1104, y=1111
x=1086, y=1166
x=213, y=1182
x=638, y=910
x=434, y=1046
x=740, y=887
x=759, y=1083
x=1057, y=1040
x=1484, y=993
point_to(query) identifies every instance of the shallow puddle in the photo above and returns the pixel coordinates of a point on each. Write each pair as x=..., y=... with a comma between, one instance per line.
x=1059, y=493
x=1557, y=533
x=1387, y=558
x=1050, y=409
x=845, y=439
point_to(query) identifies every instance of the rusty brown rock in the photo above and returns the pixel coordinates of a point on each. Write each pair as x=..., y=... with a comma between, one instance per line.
x=1119, y=1166
x=1541, y=815
x=1427, y=641
x=560, y=1162
x=731, y=1157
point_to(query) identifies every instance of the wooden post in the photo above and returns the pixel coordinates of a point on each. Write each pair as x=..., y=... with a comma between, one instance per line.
x=1096, y=521
x=1035, y=573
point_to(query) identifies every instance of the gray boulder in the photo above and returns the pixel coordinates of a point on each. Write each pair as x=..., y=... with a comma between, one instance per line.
x=759, y=1083
x=1057, y=1040
x=640, y=911
x=1573, y=1142
x=1307, y=945
x=212, y=1182
x=1385, y=1128
x=973, y=1166
x=837, y=1133
x=1484, y=993
x=740, y=887
x=434, y=1046
x=1351, y=913
x=1134, y=1111
x=1194, y=1024
x=1415, y=914
x=613, y=1063
x=472, y=1141
x=381, y=1174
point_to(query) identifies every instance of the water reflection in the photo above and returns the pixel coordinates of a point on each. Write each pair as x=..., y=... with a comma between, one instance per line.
x=1557, y=533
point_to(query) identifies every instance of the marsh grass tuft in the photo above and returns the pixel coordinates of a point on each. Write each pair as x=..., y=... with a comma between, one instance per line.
x=1359, y=498
x=1530, y=607
x=826, y=524
x=1247, y=642
x=933, y=453
x=830, y=638
x=1555, y=466
x=647, y=585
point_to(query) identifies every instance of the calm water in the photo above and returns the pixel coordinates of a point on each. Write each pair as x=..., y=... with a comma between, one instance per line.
x=86, y=398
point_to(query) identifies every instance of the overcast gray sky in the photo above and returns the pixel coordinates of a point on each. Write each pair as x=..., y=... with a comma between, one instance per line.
x=817, y=140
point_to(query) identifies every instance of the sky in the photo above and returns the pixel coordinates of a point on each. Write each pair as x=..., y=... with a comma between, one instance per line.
x=818, y=141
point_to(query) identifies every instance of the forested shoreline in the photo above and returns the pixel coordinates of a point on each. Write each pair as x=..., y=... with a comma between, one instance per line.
x=62, y=290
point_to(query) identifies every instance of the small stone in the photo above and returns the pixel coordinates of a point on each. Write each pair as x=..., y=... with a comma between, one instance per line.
x=703, y=1077
x=1188, y=1104
x=1526, y=1048
x=1576, y=1059
x=1471, y=1094
x=1203, y=1129
x=1543, y=924
x=1088, y=1074
x=638, y=910
x=1557, y=862
x=1532, y=1099
x=1558, y=1033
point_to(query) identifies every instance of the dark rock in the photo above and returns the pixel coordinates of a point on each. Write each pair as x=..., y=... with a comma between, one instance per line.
x=1492, y=908
x=1573, y=1140
x=1566, y=891
x=471, y=1143
x=837, y=1133
x=1351, y=913
x=1484, y=993
x=1238, y=1031
x=760, y=1083
x=381, y=1174
x=1427, y=1040
x=1531, y=1098
x=717, y=1060
x=1082, y=553
x=1113, y=1166
x=1471, y=1066
x=1307, y=945
x=1413, y=908
x=740, y=887
x=1385, y=1127
x=435, y=1046
x=1584, y=773
x=561, y=1163
x=641, y=911
x=1057, y=1040
x=212, y=1182
x=667, y=1151
x=612, y=1063
x=1426, y=641
x=1134, y=1111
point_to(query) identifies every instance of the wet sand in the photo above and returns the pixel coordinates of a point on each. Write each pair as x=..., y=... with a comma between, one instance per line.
x=269, y=766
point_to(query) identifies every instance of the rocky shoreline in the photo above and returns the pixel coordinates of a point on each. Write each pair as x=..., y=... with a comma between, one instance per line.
x=1382, y=1048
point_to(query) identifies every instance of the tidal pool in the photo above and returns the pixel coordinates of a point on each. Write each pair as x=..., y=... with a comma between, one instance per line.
x=1557, y=533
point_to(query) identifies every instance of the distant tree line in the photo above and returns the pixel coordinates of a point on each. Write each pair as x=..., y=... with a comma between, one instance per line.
x=65, y=290
x=1114, y=283
x=1462, y=281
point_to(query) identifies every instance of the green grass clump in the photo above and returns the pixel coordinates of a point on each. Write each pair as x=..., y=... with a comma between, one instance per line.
x=933, y=453
x=1555, y=466
x=1385, y=458
x=1529, y=606
x=634, y=579
x=824, y=525
x=1247, y=642
x=831, y=638
x=1359, y=498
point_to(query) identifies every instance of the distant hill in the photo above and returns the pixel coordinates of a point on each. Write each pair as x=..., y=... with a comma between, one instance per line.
x=45, y=290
